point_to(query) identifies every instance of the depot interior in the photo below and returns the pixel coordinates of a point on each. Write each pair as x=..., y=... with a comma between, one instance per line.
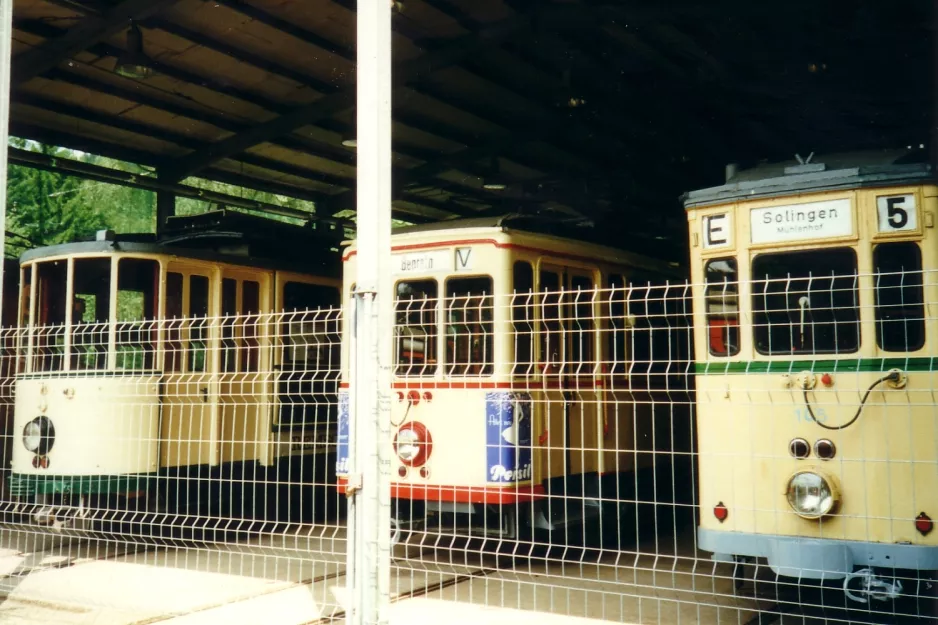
x=598, y=113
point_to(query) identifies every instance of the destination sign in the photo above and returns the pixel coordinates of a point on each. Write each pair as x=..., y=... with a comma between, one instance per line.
x=799, y=222
x=431, y=261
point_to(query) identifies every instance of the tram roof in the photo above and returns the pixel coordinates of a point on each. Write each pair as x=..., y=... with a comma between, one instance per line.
x=813, y=174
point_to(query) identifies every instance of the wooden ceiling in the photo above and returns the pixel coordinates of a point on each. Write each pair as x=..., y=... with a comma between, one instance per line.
x=602, y=110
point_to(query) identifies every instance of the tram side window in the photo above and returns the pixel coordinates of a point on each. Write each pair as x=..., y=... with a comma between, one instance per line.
x=806, y=302
x=310, y=332
x=721, y=305
x=522, y=317
x=416, y=327
x=582, y=325
x=49, y=330
x=900, y=301
x=173, y=320
x=229, y=311
x=137, y=292
x=198, y=323
x=469, y=326
x=551, y=336
x=90, y=308
x=615, y=358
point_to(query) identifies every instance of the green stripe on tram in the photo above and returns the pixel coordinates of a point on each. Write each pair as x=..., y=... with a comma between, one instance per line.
x=819, y=366
x=26, y=484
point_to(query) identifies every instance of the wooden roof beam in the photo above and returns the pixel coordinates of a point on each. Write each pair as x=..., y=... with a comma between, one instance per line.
x=90, y=30
x=344, y=99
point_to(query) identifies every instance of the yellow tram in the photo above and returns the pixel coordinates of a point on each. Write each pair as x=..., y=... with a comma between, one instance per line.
x=187, y=368
x=513, y=397
x=815, y=288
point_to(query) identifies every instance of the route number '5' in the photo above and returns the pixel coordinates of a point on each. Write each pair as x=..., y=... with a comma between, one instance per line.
x=896, y=213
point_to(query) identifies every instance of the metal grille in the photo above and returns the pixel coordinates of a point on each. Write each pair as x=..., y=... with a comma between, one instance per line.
x=625, y=454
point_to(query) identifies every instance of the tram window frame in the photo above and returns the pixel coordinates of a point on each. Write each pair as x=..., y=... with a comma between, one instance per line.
x=908, y=284
x=91, y=285
x=135, y=338
x=480, y=303
x=844, y=324
x=723, y=332
x=403, y=308
x=522, y=317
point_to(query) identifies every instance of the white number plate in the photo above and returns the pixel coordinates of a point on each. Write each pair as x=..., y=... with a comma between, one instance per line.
x=896, y=213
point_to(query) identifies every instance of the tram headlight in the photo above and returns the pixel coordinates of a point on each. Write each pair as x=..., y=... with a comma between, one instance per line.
x=413, y=444
x=811, y=495
x=39, y=435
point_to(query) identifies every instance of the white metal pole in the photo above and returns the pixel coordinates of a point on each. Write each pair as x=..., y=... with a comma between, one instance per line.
x=369, y=550
x=6, y=63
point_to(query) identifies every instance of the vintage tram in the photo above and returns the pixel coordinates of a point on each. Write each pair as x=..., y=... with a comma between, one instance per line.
x=516, y=403
x=194, y=371
x=814, y=308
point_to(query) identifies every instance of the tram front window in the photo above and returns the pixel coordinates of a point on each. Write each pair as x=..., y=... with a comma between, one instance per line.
x=806, y=302
x=415, y=327
x=90, y=306
x=469, y=326
x=49, y=328
x=900, y=300
x=722, y=306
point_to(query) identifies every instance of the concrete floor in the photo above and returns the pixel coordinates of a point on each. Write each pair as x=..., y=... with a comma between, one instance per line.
x=297, y=577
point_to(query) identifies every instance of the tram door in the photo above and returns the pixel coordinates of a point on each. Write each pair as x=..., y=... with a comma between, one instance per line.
x=189, y=424
x=568, y=351
x=244, y=400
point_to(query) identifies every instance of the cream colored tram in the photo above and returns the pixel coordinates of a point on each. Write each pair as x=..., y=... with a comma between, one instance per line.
x=512, y=403
x=193, y=366
x=815, y=309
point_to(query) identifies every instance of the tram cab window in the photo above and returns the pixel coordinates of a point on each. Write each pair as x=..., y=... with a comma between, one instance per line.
x=416, y=327
x=522, y=317
x=89, y=309
x=806, y=302
x=899, y=296
x=721, y=305
x=26, y=280
x=239, y=324
x=469, y=326
x=137, y=292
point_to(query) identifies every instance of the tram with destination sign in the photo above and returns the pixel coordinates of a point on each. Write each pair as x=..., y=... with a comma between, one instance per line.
x=530, y=373
x=194, y=371
x=815, y=285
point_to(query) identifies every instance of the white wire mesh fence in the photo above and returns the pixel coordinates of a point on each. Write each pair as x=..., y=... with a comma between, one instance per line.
x=622, y=453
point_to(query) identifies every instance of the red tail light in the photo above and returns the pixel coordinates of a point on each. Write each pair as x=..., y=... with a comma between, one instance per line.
x=720, y=512
x=924, y=524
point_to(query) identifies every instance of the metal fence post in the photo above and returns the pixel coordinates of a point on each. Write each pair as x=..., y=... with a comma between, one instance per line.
x=6, y=65
x=369, y=562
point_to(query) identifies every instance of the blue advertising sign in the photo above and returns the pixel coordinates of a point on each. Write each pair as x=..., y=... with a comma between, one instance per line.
x=341, y=456
x=508, y=437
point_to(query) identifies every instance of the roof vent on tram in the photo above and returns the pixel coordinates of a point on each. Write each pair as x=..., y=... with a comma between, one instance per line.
x=104, y=235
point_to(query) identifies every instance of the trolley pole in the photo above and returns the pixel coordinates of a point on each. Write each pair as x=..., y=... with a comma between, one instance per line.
x=368, y=571
x=6, y=64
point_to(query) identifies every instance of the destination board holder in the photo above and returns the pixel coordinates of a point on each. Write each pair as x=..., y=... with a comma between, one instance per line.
x=820, y=221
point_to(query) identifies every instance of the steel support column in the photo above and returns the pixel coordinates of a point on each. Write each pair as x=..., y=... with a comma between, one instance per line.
x=165, y=208
x=6, y=65
x=369, y=504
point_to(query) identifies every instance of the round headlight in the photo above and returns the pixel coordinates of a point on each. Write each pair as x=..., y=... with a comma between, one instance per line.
x=413, y=444
x=811, y=495
x=39, y=435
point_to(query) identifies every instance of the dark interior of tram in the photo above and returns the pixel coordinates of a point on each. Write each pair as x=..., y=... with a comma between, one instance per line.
x=600, y=113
